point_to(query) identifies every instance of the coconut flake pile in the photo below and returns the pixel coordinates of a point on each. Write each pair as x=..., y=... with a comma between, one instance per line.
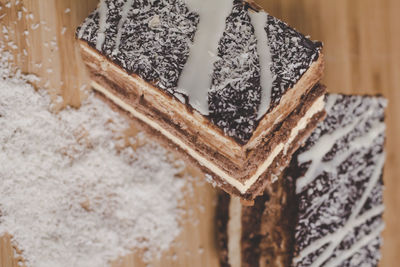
x=70, y=194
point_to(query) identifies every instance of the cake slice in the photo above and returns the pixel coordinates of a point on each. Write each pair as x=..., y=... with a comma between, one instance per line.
x=327, y=209
x=231, y=88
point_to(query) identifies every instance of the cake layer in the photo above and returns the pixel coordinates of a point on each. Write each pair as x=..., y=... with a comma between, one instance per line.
x=326, y=209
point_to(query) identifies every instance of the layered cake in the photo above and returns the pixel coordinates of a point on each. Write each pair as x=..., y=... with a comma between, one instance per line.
x=327, y=210
x=232, y=88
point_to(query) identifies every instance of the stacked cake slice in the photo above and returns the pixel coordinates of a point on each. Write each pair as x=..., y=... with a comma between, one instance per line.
x=327, y=207
x=232, y=89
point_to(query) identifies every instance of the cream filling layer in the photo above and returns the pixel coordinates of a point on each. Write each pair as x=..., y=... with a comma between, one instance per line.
x=234, y=232
x=318, y=105
x=242, y=187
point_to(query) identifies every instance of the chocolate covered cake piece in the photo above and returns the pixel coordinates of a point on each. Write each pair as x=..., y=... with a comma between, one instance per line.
x=327, y=209
x=339, y=186
x=233, y=89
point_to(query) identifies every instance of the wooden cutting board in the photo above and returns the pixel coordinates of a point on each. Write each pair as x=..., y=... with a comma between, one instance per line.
x=362, y=48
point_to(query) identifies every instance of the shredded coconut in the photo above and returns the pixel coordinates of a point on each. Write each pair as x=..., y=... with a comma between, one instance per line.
x=71, y=193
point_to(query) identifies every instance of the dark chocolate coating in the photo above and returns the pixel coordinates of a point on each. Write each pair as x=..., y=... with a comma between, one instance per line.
x=234, y=105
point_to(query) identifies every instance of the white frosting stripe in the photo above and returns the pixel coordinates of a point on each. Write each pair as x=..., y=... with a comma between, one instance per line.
x=84, y=26
x=259, y=21
x=196, y=77
x=101, y=36
x=125, y=12
x=234, y=232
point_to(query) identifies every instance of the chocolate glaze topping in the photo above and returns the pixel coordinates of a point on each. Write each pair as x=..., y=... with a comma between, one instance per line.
x=157, y=52
x=292, y=54
x=235, y=94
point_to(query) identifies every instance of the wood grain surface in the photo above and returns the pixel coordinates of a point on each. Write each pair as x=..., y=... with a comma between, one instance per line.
x=362, y=48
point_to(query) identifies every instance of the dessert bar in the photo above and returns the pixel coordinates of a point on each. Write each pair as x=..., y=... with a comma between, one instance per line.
x=232, y=87
x=326, y=209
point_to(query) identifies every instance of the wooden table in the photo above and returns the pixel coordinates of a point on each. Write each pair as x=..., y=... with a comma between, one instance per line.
x=362, y=48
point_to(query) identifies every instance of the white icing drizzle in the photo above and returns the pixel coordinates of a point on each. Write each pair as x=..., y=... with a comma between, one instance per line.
x=353, y=221
x=84, y=27
x=101, y=37
x=234, y=232
x=124, y=15
x=196, y=77
x=259, y=21
x=356, y=247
